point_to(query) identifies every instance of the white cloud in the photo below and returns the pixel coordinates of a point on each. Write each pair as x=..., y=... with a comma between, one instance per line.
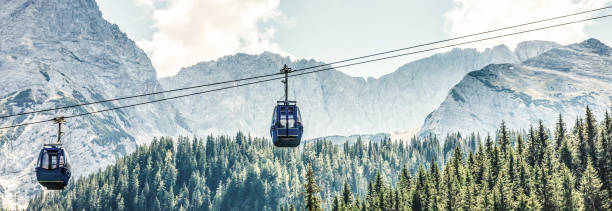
x=147, y=3
x=191, y=31
x=470, y=16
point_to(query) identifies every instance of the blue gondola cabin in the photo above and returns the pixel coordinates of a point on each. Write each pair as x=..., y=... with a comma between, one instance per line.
x=287, y=128
x=52, y=168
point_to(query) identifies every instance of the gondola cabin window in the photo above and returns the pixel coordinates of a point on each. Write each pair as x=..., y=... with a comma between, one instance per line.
x=61, y=161
x=287, y=121
x=51, y=160
x=274, y=117
x=45, y=162
x=299, y=115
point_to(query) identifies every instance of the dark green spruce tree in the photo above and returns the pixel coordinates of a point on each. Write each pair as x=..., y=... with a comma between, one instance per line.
x=311, y=191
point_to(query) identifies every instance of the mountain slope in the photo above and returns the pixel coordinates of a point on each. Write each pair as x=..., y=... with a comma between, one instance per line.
x=61, y=52
x=562, y=80
x=332, y=103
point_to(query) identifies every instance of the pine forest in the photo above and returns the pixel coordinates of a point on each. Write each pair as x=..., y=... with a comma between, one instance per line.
x=536, y=168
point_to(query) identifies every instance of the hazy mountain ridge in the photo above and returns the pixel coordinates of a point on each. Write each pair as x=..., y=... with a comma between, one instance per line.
x=529, y=49
x=562, y=80
x=333, y=103
x=340, y=140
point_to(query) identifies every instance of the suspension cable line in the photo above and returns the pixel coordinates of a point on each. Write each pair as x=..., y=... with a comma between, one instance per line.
x=306, y=68
x=316, y=71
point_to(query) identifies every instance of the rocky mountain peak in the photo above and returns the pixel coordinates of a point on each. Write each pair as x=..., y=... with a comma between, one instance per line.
x=62, y=52
x=563, y=80
x=529, y=49
x=57, y=19
x=595, y=46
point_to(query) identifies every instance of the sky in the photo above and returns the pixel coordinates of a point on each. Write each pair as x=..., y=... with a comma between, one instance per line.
x=181, y=33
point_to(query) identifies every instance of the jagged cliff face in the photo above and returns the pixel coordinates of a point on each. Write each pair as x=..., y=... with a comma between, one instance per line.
x=562, y=80
x=61, y=52
x=332, y=103
x=402, y=99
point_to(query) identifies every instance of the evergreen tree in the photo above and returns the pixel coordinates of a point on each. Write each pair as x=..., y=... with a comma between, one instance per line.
x=572, y=200
x=604, y=152
x=524, y=177
x=549, y=181
x=489, y=146
x=567, y=154
x=336, y=204
x=346, y=194
x=560, y=132
x=590, y=186
x=532, y=157
x=591, y=135
x=520, y=146
x=311, y=191
x=542, y=141
x=583, y=153
x=419, y=197
x=397, y=203
x=434, y=186
x=485, y=197
x=405, y=187
x=504, y=139
x=469, y=189
x=120, y=203
x=502, y=193
x=532, y=203
x=389, y=201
